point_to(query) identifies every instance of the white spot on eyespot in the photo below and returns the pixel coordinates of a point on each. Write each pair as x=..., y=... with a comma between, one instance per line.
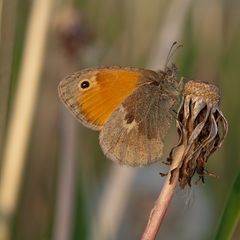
x=84, y=84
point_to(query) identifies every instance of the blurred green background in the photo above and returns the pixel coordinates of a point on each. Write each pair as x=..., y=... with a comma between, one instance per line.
x=58, y=184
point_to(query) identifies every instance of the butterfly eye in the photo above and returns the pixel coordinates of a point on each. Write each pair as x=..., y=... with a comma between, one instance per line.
x=84, y=84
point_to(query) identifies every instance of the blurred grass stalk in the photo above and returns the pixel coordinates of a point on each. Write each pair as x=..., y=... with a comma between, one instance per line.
x=8, y=11
x=22, y=114
x=170, y=31
x=63, y=223
x=1, y=11
x=63, y=219
x=113, y=201
x=209, y=40
x=231, y=213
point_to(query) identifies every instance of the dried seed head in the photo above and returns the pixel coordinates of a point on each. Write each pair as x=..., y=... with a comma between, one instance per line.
x=202, y=90
x=201, y=127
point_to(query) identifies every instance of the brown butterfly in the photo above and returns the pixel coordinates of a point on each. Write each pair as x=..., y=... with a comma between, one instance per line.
x=131, y=107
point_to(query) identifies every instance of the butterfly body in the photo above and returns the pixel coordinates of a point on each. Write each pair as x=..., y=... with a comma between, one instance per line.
x=130, y=106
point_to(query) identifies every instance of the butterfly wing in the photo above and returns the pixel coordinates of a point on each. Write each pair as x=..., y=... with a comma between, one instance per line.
x=134, y=133
x=93, y=94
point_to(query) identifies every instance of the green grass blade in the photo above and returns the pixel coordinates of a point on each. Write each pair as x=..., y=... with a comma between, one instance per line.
x=231, y=213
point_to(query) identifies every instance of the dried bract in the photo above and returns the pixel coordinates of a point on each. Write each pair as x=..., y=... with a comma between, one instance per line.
x=201, y=128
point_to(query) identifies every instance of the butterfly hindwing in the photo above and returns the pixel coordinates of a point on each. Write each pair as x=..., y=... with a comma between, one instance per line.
x=134, y=133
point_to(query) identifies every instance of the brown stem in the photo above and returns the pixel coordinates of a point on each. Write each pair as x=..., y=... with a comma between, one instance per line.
x=158, y=212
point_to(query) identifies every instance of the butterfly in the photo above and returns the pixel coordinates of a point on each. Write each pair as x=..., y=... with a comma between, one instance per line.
x=131, y=107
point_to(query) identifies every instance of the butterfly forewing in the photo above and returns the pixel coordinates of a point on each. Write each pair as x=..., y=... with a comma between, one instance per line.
x=105, y=89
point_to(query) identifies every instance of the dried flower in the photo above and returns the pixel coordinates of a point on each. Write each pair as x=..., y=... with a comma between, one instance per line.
x=201, y=128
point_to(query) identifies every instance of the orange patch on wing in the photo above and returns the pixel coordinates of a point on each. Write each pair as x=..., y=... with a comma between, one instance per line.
x=111, y=88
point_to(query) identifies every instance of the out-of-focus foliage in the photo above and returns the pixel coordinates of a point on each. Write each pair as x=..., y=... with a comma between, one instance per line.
x=231, y=214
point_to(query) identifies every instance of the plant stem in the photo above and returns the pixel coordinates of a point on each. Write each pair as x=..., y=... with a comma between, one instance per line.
x=158, y=212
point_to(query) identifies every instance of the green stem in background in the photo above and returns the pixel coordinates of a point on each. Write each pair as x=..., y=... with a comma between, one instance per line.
x=231, y=213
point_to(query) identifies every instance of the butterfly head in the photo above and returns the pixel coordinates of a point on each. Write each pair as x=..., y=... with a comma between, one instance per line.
x=169, y=80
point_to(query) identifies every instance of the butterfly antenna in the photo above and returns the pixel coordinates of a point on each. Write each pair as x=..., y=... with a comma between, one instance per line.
x=169, y=53
x=172, y=52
